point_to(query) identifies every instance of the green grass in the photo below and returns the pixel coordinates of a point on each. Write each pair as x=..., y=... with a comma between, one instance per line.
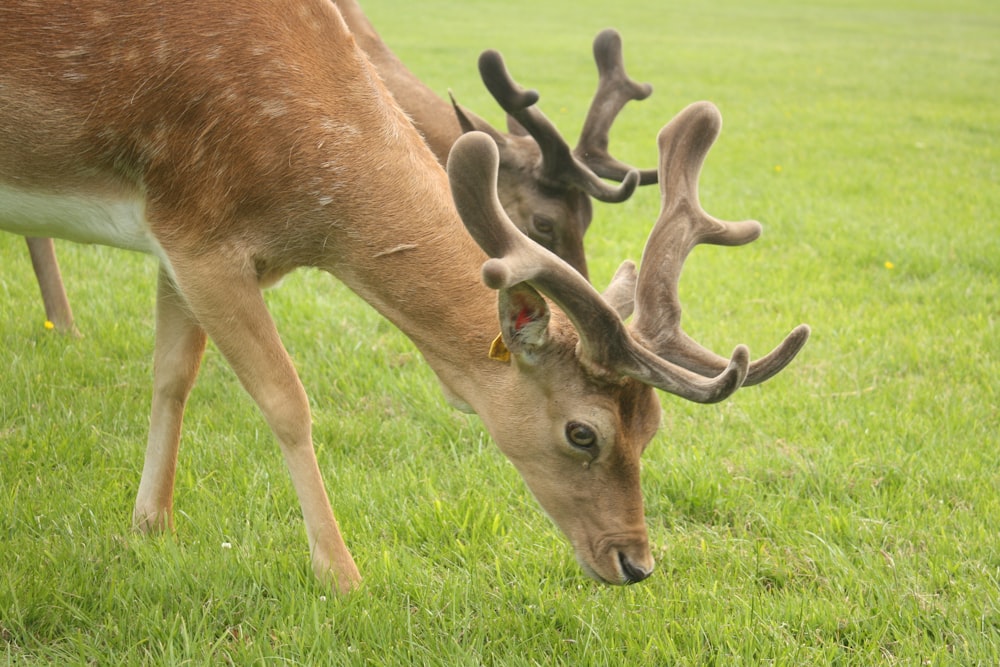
x=845, y=513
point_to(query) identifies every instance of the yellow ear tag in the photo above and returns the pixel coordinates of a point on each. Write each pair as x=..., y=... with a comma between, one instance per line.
x=498, y=349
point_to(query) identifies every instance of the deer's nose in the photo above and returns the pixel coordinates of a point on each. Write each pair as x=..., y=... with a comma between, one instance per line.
x=632, y=572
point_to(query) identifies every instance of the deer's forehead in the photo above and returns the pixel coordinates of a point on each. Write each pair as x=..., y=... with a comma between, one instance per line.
x=639, y=413
x=628, y=409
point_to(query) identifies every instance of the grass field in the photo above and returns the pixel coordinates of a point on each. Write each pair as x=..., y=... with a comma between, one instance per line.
x=845, y=513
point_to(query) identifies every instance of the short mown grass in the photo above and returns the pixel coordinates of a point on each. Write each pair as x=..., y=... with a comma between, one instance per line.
x=847, y=512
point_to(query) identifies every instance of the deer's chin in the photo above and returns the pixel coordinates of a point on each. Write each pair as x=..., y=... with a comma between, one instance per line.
x=613, y=578
x=591, y=572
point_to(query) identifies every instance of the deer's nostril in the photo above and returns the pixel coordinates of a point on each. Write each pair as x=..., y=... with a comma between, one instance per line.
x=633, y=573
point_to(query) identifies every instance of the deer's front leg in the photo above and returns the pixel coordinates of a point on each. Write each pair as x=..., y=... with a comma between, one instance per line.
x=226, y=300
x=180, y=344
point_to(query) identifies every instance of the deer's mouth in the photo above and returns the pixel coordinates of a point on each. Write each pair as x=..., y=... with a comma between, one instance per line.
x=626, y=571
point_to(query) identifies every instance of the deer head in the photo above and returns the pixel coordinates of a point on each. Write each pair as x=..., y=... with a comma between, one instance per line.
x=544, y=186
x=585, y=349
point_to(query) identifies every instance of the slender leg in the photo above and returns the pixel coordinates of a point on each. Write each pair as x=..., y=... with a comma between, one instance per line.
x=43, y=261
x=180, y=344
x=228, y=304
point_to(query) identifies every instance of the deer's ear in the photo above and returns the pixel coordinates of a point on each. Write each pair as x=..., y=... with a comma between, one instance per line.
x=470, y=122
x=524, y=321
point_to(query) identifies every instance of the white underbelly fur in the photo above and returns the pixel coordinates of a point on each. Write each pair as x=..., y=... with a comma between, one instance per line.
x=120, y=223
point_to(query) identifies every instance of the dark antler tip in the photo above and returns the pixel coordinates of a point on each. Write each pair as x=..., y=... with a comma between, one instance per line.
x=705, y=107
x=747, y=231
x=470, y=150
x=800, y=335
x=737, y=371
x=705, y=114
x=732, y=377
x=630, y=183
x=511, y=96
x=741, y=357
x=495, y=274
x=480, y=140
x=622, y=192
x=490, y=58
x=766, y=368
x=607, y=38
x=796, y=339
x=628, y=269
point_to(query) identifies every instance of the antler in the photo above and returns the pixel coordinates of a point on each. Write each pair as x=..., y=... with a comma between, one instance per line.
x=683, y=145
x=614, y=90
x=558, y=163
x=606, y=346
x=653, y=349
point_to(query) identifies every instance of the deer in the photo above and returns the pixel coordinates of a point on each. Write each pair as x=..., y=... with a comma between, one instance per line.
x=546, y=188
x=237, y=142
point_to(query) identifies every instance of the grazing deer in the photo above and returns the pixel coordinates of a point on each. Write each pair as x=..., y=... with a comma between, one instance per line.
x=238, y=141
x=545, y=187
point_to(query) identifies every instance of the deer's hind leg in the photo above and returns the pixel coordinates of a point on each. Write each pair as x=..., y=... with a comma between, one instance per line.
x=46, y=267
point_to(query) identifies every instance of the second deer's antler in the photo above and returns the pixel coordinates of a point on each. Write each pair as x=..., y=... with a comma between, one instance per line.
x=652, y=349
x=559, y=165
x=614, y=90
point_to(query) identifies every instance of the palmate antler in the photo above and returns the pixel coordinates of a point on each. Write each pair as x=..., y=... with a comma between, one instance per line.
x=590, y=161
x=652, y=349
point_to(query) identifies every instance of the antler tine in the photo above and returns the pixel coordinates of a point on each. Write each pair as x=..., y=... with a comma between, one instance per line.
x=620, y=292
x=606, y=346
x=683, y=145
x=614, y=90
x=558, y=163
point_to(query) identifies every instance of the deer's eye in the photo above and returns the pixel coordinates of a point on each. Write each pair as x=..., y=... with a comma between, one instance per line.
x=581, y=436
x=543, y=225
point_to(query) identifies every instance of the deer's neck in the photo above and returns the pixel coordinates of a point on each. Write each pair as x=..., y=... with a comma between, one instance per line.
x=449, y=315
x=416, y=264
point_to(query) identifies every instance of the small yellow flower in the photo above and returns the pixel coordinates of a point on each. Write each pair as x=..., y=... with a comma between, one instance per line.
x=777, y=168
x=49, y=325
x=890, y=266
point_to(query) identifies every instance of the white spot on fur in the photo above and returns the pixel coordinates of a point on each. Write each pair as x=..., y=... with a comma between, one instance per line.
x=272, y=109
x=339, y=128
x=72, y=53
